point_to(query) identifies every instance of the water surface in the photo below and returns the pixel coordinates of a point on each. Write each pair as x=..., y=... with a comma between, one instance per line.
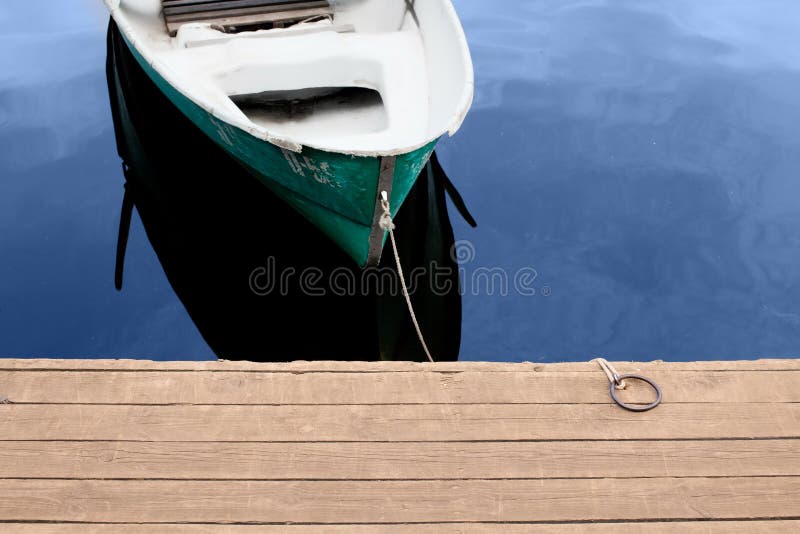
x=640, y=157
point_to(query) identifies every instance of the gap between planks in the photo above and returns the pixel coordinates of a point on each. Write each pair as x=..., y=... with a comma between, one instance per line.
x=694, y=527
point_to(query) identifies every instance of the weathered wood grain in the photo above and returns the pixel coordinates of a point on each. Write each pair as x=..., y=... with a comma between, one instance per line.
x=400, y=502
x=682, y=527
x=336, y=367
x=396, y=447
x=476, y=387
x=398, y=461
x=503, y=422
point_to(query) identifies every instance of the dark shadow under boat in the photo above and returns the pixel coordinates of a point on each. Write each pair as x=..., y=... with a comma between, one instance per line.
x=258, y=280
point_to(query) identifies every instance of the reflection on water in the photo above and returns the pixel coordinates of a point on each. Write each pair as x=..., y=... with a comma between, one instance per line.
x=254, y=275
x=641, y=155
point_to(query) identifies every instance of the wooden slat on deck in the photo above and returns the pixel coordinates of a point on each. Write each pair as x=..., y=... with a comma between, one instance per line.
x=398, y=461
x=397, y=423
x=133, y=447
x=412, y=501
x=473, y=387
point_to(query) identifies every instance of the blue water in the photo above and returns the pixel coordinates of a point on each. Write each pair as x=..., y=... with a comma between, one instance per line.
x=637, y=160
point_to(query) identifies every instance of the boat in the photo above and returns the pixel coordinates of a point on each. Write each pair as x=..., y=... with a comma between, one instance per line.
x=330, y=103
x=202, y=233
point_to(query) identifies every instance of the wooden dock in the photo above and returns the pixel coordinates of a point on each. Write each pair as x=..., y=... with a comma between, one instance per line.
x=238, y=448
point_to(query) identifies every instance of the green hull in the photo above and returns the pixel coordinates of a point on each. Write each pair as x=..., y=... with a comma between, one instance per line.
x=336, y=192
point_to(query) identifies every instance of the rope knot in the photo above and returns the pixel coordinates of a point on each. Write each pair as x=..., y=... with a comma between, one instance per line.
x=385, y=221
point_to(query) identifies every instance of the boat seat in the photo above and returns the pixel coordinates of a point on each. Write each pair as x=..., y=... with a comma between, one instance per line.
x=232, y=16
x=226, y=76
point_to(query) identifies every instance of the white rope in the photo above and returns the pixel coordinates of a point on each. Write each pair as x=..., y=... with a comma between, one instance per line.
x=611, y=373
x=387, y=224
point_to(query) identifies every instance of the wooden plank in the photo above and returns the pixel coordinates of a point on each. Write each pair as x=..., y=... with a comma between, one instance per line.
x=683, y=527
x=399, y=502
x=233, y=387
x=398, y=461
x=383, y=367
x=468, y=422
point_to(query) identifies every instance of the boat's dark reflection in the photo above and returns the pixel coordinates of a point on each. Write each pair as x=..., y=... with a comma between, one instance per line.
x=213, y=226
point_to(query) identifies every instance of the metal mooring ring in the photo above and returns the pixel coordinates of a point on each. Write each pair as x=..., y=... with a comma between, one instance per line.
x=636, y=408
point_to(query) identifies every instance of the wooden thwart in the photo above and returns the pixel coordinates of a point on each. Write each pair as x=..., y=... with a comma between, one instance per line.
x=230, y=14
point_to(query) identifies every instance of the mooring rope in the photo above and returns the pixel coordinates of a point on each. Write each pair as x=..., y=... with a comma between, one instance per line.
x=387, y=224
x=611, y=373
x=617, y=382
